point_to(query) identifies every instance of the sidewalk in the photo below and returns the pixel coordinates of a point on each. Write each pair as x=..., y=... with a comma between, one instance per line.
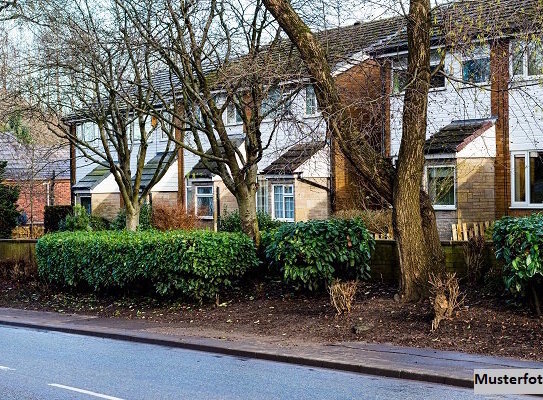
x=434, y=366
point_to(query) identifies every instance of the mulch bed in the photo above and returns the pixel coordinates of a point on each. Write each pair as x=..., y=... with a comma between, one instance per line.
x=487, y=324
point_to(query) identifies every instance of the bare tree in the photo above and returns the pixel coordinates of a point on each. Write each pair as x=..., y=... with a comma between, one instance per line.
x=415, y=226
x=223, y=57
x=85, y=66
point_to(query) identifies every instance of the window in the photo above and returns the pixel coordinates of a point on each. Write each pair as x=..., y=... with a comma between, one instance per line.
x=85, y=202
x=165, y=126
x=232, y=115
x=88, y=132
x=527, y=58
x=310, y=101
x=190, y=199
x=400, y=78
x=283, y=202
x=476, y=70
x=270, y=103
x=262, y=196
x=441, y=187
x=527, y=179
x=204, y=201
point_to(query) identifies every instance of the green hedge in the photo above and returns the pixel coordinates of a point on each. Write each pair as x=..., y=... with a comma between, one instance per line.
x=196, y=264
x=312, y=254
x=231, y=222
x=518, y=243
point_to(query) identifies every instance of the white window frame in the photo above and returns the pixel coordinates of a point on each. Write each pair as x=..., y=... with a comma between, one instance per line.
x=236, y=118
x=438, y=207
x=315, y=106
x=283, y=185
x=207, y=196
x=80, y=197
x=266, y=206
x=527, y=160
x=478, y=54
x=525, y=58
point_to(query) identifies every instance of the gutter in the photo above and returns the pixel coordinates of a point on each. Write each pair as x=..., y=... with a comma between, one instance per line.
x=311, y=183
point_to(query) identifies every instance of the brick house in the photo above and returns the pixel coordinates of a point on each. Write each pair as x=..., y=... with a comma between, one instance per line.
x=484, y=146
x=42, y=172
x=485, y=125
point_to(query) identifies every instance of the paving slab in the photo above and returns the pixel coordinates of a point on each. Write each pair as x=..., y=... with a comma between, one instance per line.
x=445, y=367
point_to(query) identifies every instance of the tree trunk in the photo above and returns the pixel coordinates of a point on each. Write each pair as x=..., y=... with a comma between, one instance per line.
x=415, y=227
x=407, y=206
x=132, y=217
x=247, y=213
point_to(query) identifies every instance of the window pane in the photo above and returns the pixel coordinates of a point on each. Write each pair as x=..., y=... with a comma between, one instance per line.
x=535, y=59
x=190, y=199
x=289, y=207
x=437, y=79
x=269, y=105
x=85, y=202
x=204, y=206
x=441, y=185
x=476, y=71
x=310, y=101
x=536, y=178
x=520, y=178
x=278, y=202
x=205, y=190
x=518, y=49
x=289, y=189
x=262, y=197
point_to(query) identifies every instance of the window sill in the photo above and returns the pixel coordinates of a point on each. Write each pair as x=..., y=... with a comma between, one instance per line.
x=526, y=207
x=444, y=208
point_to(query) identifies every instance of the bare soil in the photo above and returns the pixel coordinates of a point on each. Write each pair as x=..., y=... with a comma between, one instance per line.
x=487, y=323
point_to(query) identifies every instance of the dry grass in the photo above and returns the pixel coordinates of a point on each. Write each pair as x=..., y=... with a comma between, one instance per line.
x=23, y=232
x=342, y=295
x=446, y=297
x=166, y=218
x=377, y=221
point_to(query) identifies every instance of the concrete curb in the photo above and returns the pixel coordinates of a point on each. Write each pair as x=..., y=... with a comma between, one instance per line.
x=231, y=349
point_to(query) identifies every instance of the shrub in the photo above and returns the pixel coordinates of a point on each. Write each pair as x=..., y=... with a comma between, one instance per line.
x=313, y=254
x=99, y=223
x=377, y=221
x=197, y=264
x=166, y=218
x=53, y=217
x=517, y=243
x=9, y=195
x=78, y=220
x=231, y=222
x=119, y=223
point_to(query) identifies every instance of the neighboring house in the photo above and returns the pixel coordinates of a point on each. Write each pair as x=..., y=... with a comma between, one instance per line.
x=42, y=172
x=484, y=146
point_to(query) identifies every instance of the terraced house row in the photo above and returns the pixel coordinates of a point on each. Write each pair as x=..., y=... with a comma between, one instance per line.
x=484, y=148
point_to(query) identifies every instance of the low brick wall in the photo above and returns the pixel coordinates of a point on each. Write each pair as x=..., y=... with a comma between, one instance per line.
x=385, y=265
x=18, y=259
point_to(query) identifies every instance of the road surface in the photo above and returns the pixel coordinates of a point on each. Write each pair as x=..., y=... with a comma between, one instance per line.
x=50, y=365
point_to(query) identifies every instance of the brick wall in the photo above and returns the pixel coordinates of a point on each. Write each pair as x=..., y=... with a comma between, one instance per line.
x=311, y=202
x=361, y=89
x=106, y=205
x=499, y=68
x=165, y=199
x=34, y=195
x=476, y=189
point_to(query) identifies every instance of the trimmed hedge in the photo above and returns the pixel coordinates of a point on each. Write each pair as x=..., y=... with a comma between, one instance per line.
x=518, y=243
x=231, y=222
x=54, y=216
x=313, y=254
x=196, y=264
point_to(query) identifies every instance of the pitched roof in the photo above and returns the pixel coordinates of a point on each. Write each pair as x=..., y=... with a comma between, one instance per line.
x=34, y=160
x=457, y=135
x=201, y=171
x=293, y=158
x=151, y=166
x=92, y=179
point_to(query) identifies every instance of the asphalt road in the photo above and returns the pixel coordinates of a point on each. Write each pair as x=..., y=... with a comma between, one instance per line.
x=48, y=365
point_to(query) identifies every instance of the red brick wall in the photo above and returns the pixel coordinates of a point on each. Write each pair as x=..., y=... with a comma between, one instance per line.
x=361, y=89
x=33, y=197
